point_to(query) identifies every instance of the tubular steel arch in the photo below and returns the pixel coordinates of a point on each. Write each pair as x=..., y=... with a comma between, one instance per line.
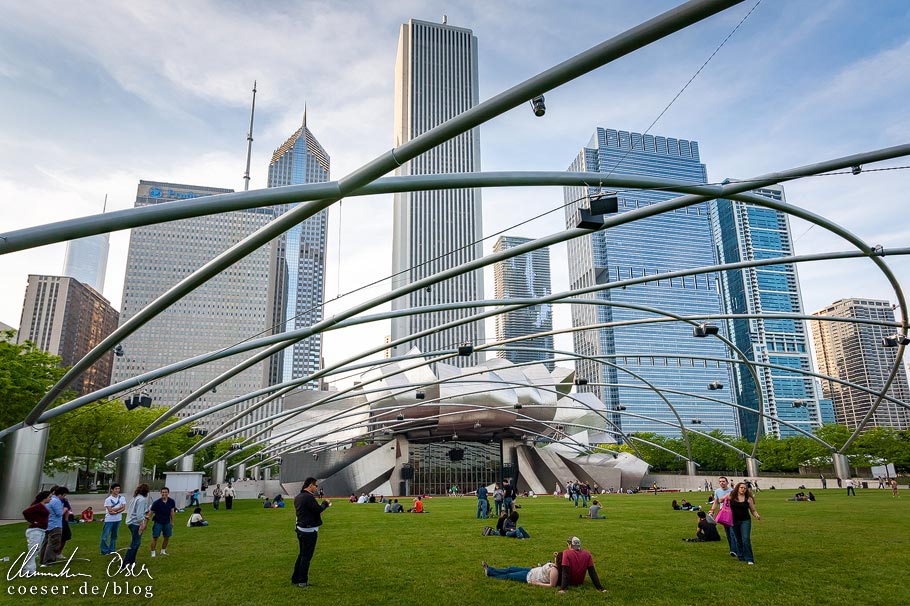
x=364, y=182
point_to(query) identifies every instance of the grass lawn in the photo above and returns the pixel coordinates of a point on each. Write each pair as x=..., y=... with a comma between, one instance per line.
x=838, y=550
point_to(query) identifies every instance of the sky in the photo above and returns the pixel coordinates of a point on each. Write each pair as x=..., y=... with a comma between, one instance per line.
x=95, y=96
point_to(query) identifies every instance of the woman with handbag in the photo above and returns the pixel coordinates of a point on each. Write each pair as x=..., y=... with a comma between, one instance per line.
x=742, y=504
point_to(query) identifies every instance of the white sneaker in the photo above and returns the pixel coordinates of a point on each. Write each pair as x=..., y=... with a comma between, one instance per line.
x=163, y=552
x=153, y=554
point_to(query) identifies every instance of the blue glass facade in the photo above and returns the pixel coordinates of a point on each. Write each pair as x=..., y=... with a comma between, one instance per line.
x=297, y=282
x=524, y=277
x=744, y=232
x=664, y=354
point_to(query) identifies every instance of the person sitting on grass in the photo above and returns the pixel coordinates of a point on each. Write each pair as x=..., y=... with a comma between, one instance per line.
x=546, y=575
x=513, y=530
x=686, y=505
x=196, y=519
x=594, y=511
x=575, y=563
x=418, y=506
x=396, y=507
x=706, y=531
x=88, y=515
x=500, y=523
x=676, y=506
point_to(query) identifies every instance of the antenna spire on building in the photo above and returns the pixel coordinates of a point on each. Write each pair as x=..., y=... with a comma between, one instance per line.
x=304, y=115
x=104, y=208
x=249, y=142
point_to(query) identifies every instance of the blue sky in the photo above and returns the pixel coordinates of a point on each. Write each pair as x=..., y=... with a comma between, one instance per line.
x=99, y=95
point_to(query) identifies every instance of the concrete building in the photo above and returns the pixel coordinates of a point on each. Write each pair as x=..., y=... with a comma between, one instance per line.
x=66, y=318
x=664, y=354
x=523, y=277
x=86, y=260
x=744, y=232
x=297, y=261
x=435, y=80
x=853, y=352
x=227, y=309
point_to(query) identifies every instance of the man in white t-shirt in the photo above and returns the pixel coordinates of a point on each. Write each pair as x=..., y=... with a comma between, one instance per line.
x=850, y=487
x=114, y=506
x=719, y=495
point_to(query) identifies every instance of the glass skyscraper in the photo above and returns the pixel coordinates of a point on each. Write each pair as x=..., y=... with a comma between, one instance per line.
x=745, y=232
x=524, y=277
x=435, y=80
x=86, y=260
x=297, y=264
x=664, y=353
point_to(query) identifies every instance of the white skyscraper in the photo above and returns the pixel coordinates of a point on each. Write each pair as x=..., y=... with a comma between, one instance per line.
x=86, y=260
x=435, y=80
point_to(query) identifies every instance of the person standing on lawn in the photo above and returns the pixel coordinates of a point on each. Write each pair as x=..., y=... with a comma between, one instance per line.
x=228, y=496
x=137, y=516
x=36, y=515
x=742, y=503
x=163, y=511
x=309, y=519
x=114, y=506
x=483, y=505
x=719, y=495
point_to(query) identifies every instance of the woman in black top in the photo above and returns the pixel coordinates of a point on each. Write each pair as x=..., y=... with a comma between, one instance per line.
x=742, y=503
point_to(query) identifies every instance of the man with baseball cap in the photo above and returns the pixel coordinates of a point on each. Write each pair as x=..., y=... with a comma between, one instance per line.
x=575, y=563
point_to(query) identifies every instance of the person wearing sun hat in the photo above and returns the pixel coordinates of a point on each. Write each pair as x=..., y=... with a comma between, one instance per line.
x=575, y=563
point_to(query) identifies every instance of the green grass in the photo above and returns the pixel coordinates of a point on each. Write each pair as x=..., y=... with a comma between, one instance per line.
x=837, y=550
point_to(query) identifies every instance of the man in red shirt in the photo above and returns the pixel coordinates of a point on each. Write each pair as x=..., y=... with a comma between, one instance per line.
x=575, y=563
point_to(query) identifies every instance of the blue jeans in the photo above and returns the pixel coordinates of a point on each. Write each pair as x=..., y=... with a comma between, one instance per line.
x=130, y=557
x=507, y=503
x=109, y=537
x=513, y=573
x=575, y=498
x=483, y=508
x=584, y=500
x=731, y=540
x=518, y=533
x=741, y=533
x=498, y=507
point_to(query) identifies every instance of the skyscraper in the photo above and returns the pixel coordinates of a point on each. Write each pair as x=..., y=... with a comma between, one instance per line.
x=745, y=232
x=297, y=260
x=229, y=308
x=86, y=260
x=435, y=80
x=523, y=277
x=665, y=354
x=853, y=352
x=66, y=318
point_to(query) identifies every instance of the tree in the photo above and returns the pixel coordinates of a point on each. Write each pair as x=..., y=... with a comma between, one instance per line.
x=26, y=374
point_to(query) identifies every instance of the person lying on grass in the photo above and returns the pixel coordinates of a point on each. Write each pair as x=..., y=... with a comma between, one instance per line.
x=546, y=575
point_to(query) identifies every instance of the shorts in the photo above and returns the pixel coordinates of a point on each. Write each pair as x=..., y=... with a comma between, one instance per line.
x=157, y=529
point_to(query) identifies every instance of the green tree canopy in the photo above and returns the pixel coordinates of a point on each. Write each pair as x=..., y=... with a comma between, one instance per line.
x=26, y=374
